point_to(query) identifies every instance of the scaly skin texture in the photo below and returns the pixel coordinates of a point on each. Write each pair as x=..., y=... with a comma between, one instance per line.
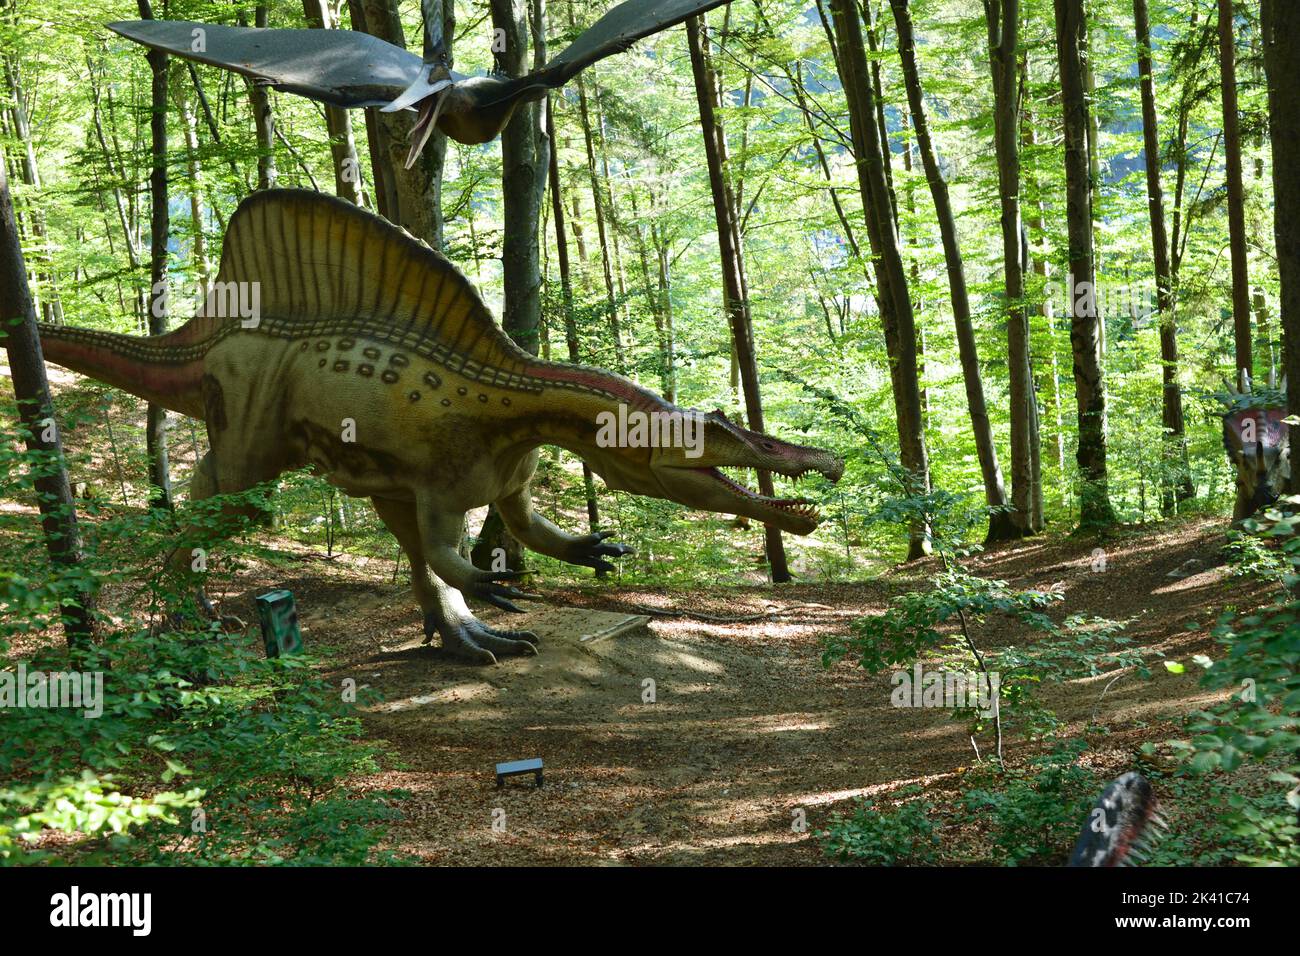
x=374, y=360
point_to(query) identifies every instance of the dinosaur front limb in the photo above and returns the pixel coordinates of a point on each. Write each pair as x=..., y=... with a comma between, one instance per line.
x=445, y=612
x=540, y=535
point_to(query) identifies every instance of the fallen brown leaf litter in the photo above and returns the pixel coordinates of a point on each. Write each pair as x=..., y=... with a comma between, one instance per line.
x=746, y=727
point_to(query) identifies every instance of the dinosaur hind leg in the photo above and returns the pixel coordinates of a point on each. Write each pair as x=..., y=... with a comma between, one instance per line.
x=463, y=635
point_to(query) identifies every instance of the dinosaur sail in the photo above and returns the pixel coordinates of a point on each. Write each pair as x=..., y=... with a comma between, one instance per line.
x=315, y=266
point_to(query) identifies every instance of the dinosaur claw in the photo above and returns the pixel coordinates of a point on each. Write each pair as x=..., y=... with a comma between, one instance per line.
x=590, y=551
x=497, y=601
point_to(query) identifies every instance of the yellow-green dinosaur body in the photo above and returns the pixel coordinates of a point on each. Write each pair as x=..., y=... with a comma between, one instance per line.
x=372, y=358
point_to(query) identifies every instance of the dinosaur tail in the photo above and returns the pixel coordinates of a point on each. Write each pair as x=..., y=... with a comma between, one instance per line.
x=163, y=369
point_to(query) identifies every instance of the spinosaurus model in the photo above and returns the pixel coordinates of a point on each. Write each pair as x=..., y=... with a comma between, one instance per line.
x=362, y=327
x=351, y=69
x=1257, y=440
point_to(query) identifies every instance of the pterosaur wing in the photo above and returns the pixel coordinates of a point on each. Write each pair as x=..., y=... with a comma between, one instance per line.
x=340, y=67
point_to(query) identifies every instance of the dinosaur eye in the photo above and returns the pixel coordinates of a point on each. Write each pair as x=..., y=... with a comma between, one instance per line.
x=768, y=445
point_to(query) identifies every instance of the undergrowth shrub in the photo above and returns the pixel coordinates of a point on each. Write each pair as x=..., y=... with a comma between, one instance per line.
x=898, y=835
x=202, y=751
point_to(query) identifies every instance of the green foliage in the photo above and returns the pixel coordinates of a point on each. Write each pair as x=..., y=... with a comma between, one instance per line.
x=1259, y=722
x=940, y=623
x=903, y=834
x=262, y=748
x=1034, y=814
x=84, y=806
x=202, y=751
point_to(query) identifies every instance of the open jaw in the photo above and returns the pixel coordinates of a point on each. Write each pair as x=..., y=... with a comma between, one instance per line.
x=799, y=508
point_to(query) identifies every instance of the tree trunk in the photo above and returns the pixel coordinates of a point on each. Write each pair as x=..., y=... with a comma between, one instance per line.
x=1039, y=263
x=666, y=310
x=891, y=277
x=606, y=260
x=160, y=483
x=411, y=198
x=995, y=495
x=1175, y=476
x=1281, y=32
x=1085, y=337
x=1236, y=192
x=566, y=289
x=36, y=409
x=343, y=148
x=742, y=330
x=655, y=300
x=525, y=162
x=202, y=262
x=1003, y=20
x=263, y=119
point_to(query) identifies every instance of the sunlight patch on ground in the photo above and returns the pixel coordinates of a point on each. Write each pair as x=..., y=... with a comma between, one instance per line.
x=1193, y=581
x=459, y=693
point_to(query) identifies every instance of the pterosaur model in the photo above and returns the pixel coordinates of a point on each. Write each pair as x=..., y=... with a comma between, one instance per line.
x=351, y=69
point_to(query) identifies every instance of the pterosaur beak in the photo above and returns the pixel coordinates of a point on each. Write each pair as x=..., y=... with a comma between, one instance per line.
x=423, y=87
x=430, y=110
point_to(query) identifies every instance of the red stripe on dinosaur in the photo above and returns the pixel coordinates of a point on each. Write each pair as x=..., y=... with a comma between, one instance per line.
x=600, y=381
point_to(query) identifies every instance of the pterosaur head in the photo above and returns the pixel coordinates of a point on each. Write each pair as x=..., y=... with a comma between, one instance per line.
x=679, y=454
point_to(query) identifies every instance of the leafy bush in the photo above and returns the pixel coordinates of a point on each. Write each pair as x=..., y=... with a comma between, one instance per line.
x=904, y=834
x=1035, y=813
x=203, y=751
x=1260, y=720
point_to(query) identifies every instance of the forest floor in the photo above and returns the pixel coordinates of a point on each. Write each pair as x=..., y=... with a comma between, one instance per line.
x=747, y=726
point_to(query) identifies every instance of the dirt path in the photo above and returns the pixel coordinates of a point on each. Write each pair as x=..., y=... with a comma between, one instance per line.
x=746, y=728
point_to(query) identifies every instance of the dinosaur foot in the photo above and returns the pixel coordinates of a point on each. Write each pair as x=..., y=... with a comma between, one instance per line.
x=590, y=551
x=200, y=616
x=470, y=640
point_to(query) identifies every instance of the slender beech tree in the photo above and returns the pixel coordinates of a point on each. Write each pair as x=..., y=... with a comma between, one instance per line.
x=22, y=344
x=199, y=242
x=1241, y=332
x=566, y=292
x=160, y=483
x=259, y=97
x=1085, y=331
x=891, y=276
x=737, y=305
x=602, y=227
x=1176, y=478
x=525, y=163
x=1000, y=526
x=338, y=123
x=1002, y=18
x=1280, y=20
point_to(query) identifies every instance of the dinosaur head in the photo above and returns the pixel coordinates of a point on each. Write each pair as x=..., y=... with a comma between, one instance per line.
x=687, y=450
x=1257, y=444
x=1255, y=436
x=1120, y=825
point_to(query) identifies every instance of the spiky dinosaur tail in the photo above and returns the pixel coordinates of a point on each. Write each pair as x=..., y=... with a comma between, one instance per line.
x=164, y=369
x=1121, y=826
